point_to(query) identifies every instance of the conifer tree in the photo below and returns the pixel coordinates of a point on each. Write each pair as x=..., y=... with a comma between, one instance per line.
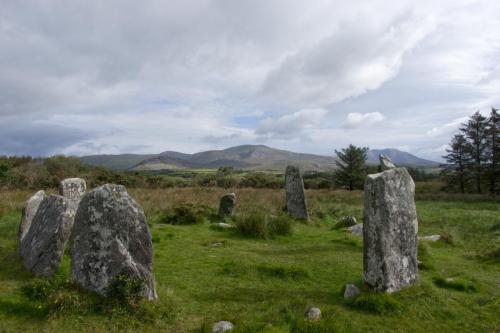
x=493, y=151
x=475, y=133
x=456, y=162
x=351, y=170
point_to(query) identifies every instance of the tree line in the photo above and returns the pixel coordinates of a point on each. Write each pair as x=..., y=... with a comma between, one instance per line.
x=473, y=157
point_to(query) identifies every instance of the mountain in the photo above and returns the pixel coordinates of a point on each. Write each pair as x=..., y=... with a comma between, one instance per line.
x=248, y=157
x=399, y=158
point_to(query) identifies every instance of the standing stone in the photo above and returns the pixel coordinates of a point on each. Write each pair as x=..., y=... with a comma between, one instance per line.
x=29, y=212
x=111, y=238
x=385, y=163
x=295, y=197
x=226, y=205
x=72, y=188
x=390, y=231
x=42, y=248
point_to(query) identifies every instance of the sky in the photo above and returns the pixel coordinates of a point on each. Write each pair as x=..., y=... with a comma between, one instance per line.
x=87, y=77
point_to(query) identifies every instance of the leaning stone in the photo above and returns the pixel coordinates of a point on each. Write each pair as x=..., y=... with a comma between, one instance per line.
x=111, y=238
x=226, y=205
x=351, y=291
x=431, y=238
x=386, y=163
x=390, y=231
x=29, y=212
x=42, y=248
x=313, y=314
x=222, y=326
x=295, y=196
x=356, y=229
x=72, y=188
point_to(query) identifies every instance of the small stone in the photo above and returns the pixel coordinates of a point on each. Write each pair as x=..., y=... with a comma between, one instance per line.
x=73, y=188
x=226, y=205
x=356, y=229
x=296, y=204
x=313, y=314
x=431, y=238
x=351, y=291
x=42, y=248
x=111, y=238
x=385, y=163
x=347, y=221
x=29, y=212
x=223, y=225
x=222, y=326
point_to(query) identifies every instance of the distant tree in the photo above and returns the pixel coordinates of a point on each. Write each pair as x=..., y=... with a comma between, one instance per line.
x=351, y=166
x=455, y=169
x=493, y=151
x=474, y=131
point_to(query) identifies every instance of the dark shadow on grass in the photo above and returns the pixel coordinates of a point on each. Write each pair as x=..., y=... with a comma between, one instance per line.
x=27, y=310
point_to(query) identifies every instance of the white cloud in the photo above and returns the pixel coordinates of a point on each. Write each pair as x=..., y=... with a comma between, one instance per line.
x=291, y=125
x=447, y=128
x=355, y=119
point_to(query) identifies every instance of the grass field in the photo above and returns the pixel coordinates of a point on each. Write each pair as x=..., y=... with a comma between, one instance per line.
x=204, y=275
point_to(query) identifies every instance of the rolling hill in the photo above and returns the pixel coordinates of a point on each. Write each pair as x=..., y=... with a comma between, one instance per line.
x=248, y=157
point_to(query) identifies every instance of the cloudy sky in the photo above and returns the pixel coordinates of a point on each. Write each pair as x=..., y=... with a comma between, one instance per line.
x=91, y=77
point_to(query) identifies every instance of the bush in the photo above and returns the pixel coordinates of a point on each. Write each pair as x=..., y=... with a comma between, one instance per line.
x=186, y=213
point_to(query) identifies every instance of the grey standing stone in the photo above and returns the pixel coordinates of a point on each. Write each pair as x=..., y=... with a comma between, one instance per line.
x=351, y=291
x=29, y=212
x=385, y=163
x=296, y=204
x=110, y=238
x=73, y=188
x=222, y=326
x=226, y=205
x=42, y=248
x=390, y=231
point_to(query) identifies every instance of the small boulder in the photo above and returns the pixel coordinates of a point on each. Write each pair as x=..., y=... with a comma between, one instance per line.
x=222, y=326
x=356, y=229
x=226, y=205
x=347, y=221
x=296, y=204
x=386, y=163
x=351, y=291
x=431, y=238
x=223, y=225
x=29, y=212
x=73, y=188
x=111, y=238
x=42, y=248
x=313, y=314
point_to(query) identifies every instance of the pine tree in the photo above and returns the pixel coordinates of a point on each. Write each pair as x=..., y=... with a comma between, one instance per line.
x=456, y=162
x=475, y=133
x=351, y=170
x=493, y=151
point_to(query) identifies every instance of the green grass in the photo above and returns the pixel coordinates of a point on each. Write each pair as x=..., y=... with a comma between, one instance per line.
x=266, y=285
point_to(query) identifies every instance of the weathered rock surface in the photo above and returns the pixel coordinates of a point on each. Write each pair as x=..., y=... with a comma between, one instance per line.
x=356, y=229
x=390, y=231
x=222, y=326
x=313, y=314
x=432, y=238
x=73, y=188
x=351, y=291
x=29, y=212
x=42, y=248
x=296, y=204
x=226, y=205
x=110, y=238
x=386, y=163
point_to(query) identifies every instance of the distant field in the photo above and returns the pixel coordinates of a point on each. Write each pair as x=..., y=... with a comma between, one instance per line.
x=266, y=285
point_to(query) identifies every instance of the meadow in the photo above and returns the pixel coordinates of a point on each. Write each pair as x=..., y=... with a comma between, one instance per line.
x=204, y=275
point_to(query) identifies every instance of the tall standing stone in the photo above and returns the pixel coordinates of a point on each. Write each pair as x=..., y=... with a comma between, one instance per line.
x=29, y=212
x=226, y=205
x=295, y=196
x=42, y=248
x=390, y=231
x=111, y=238
x=73, y=188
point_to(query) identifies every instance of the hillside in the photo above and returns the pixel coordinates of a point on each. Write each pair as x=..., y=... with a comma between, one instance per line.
x=248, y=157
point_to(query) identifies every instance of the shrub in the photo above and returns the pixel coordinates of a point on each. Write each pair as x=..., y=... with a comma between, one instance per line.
x=187, y=213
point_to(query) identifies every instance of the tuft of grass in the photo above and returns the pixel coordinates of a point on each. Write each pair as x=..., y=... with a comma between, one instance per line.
x=186, y=213
x=379, y=303
x=262, y=226
x=234, y=268
x=458, y=284
x=424, y=258
x=284, y=272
